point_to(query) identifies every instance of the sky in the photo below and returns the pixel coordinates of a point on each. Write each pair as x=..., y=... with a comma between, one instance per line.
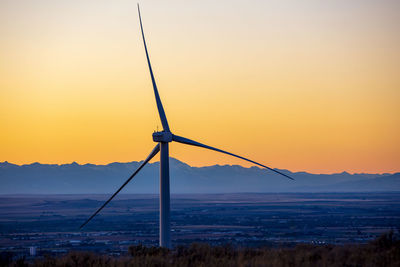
x=300, y=85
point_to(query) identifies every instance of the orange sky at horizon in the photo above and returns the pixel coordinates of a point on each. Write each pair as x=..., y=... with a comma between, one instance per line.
x=311, y=86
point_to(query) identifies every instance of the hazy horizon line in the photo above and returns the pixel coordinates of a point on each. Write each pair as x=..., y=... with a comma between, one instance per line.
x=205, y=166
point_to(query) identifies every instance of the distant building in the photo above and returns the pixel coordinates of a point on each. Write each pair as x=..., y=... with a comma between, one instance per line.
x=32, y=251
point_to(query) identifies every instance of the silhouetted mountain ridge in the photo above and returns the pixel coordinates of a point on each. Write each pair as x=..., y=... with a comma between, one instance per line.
x=37, y=178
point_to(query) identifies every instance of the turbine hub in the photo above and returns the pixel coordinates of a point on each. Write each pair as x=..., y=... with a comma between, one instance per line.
x=164, y=137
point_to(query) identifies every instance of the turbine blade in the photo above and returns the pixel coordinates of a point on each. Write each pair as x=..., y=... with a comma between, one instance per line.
x=160, y=108
x=151, y=155
x=187, y=141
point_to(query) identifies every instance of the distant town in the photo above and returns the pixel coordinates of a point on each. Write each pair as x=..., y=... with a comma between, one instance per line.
x=37, y=225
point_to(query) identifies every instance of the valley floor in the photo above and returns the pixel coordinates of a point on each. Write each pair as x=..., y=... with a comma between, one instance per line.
x=37, y=225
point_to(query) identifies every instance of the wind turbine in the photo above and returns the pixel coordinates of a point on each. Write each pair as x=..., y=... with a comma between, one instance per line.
x=163, y=138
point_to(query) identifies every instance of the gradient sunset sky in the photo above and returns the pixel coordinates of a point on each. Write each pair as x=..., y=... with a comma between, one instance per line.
x=300, y=85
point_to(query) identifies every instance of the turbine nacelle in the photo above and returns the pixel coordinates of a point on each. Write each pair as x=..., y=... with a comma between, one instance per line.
x=163, y=136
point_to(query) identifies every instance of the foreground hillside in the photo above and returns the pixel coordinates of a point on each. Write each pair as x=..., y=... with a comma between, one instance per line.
x=384, y=251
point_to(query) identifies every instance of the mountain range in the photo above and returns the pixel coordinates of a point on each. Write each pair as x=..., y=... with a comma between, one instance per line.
x=74, y=178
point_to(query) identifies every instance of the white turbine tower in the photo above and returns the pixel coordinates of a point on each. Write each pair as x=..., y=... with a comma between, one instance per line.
x=162, y=139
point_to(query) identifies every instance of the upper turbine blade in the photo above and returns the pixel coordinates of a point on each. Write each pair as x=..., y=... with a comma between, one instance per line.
x=184, y=140
x=151, y=155
x=160, y=108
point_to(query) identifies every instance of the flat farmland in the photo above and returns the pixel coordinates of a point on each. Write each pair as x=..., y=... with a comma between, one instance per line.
x=51, y=222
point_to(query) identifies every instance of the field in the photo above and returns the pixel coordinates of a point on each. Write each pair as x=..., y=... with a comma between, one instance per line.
x=50, y=223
